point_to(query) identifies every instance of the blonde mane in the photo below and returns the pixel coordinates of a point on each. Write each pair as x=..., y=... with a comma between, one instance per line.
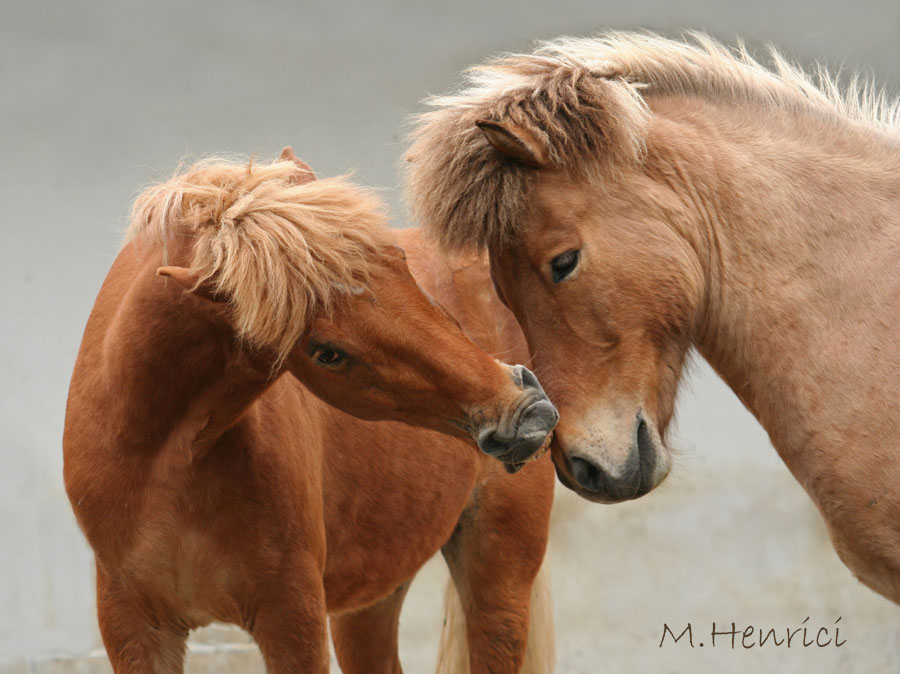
x=279, y=251
x=585, y=100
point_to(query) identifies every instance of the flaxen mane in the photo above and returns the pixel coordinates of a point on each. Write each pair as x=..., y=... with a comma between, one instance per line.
x=585, y=100
x=278, y=250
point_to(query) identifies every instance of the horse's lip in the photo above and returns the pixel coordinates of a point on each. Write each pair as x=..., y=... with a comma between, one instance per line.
x=516, y=466
x=570, y=484
x=543, y=449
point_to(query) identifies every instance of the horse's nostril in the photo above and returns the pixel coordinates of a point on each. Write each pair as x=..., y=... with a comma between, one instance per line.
x=529, y=380
x=644, y=442
x=647, y=451
x=596, y=482
x=540, y=417
x=586, y=474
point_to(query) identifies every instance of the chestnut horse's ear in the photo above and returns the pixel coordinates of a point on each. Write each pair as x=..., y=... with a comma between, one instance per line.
x=514, y=142
x=305, y=175
x=188, y=280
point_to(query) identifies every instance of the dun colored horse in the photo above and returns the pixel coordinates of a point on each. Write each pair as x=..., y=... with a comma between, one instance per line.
x=215, y=484
x=639, y=196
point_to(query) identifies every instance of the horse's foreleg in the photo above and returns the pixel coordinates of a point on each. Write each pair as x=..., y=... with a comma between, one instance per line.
x=289, y=624
x=365, y=641
x=134, y=643
x=494, y=557
x=496, y=616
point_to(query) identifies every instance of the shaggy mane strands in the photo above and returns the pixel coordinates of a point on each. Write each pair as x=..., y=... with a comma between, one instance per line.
x=585, y=101
x=277, y=250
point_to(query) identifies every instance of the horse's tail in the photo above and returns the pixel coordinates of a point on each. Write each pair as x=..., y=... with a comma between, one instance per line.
x=540, y=654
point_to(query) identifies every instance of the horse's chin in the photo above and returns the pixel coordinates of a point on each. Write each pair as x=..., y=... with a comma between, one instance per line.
x=513, y=468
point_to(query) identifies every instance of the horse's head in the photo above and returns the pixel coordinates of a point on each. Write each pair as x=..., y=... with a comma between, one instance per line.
x=605, y=294
x=385, y=351
x=306, y=272
x=542, y=162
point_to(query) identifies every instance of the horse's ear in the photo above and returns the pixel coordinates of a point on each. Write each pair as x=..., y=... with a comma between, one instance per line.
x=396, y=251
x=514, y=142
x=189, y=281
x=305, y=175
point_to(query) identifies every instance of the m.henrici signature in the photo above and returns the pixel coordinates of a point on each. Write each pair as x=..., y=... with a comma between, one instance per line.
x=749, y=637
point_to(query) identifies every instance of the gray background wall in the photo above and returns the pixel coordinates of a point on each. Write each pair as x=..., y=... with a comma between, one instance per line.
x=97, y=99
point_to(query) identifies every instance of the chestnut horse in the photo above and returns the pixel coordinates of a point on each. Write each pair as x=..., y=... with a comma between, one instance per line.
x=214, y=482
x=639, y=196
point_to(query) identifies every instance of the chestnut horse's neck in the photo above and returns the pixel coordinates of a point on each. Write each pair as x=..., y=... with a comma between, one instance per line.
x=798, y=229
x=164, y=361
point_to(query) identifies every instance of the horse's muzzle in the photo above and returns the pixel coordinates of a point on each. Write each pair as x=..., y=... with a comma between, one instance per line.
x=525, y=429
x=591, y=476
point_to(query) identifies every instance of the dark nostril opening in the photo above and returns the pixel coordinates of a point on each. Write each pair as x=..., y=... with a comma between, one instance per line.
x=528, y=378
x=644, y=439
x=487, y=443
x=586, y=474
x=646, y=453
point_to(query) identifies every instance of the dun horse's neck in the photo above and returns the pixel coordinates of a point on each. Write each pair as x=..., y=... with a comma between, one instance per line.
x=801, y=244
x=173, y=374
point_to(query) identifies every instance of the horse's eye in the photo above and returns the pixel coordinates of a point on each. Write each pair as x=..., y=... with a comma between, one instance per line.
x=329, y=357
x=563, y=265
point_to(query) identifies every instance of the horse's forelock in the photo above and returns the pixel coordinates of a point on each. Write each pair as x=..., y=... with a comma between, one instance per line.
x=584, y=99
x=278, y=250
x=468, y=195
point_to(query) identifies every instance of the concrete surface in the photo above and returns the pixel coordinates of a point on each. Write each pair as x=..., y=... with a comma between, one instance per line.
x=98, y=98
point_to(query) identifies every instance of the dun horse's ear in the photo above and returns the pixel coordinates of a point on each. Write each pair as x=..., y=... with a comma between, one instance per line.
x=188, y=280
x=396, y=251
x=306, y=174
x=514, y=142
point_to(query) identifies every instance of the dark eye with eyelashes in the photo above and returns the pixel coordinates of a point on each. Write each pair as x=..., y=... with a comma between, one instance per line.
x=563, y=265
x=328, y=357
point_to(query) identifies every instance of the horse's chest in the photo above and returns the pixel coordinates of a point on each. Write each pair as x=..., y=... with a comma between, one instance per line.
x=168, y=537
x=189, y=574
x=378, y=539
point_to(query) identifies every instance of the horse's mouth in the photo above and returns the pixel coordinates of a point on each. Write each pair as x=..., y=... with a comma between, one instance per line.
x=515, y=467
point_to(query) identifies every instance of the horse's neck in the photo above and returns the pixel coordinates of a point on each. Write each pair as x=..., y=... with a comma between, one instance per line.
x=802, y=280
x=158, y=365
